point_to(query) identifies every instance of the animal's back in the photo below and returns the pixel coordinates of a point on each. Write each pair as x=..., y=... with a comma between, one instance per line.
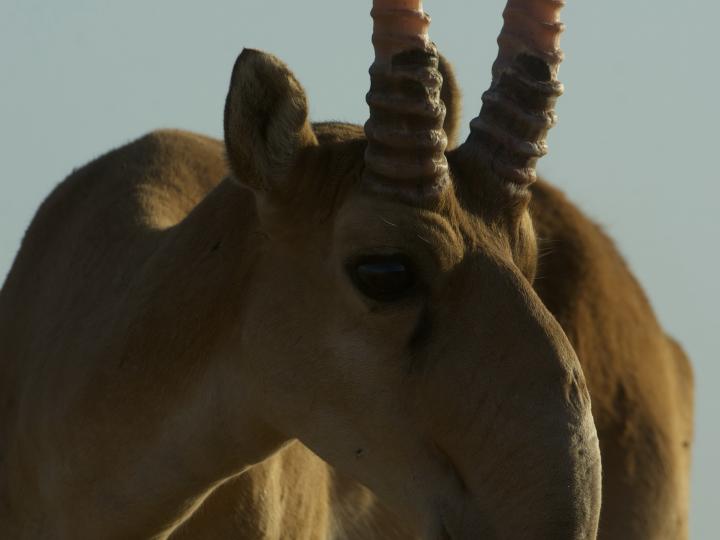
x=88, y=242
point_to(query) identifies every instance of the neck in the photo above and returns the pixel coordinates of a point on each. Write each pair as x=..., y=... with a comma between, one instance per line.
x=293, y=494
x=155, y=404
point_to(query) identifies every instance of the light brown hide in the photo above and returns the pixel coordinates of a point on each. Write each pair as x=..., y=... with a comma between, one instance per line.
x=183, y=317
x=102, y=226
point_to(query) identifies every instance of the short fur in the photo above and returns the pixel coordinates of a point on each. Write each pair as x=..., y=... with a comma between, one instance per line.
x=123, y=414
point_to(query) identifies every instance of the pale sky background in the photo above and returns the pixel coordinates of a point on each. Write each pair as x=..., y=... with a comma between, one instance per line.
x=636, y=146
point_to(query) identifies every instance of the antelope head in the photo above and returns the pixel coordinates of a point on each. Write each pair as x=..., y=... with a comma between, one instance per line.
x=391, y=323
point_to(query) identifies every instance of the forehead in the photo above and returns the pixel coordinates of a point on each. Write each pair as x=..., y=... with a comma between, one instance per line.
x=372, y=222
x=368, y=223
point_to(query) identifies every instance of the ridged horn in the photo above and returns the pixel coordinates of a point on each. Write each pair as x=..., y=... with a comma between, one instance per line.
x=405, y=154
x=509, y=135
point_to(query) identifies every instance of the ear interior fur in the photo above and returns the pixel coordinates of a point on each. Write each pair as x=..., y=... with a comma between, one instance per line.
x=266, y=120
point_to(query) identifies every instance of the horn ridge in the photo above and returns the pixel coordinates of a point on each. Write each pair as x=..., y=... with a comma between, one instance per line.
x=509, y=135
x=405, y=154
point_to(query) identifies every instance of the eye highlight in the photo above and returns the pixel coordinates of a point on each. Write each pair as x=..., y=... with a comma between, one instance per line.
x=385, y=278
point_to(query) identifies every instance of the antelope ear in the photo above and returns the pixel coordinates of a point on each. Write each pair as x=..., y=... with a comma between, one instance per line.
x=266, y=121
x=451, y=96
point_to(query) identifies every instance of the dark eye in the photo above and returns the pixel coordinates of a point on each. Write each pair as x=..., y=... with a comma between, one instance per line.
x=385, y=278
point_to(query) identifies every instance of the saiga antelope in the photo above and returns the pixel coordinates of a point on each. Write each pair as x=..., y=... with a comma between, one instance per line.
x=320, y=331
